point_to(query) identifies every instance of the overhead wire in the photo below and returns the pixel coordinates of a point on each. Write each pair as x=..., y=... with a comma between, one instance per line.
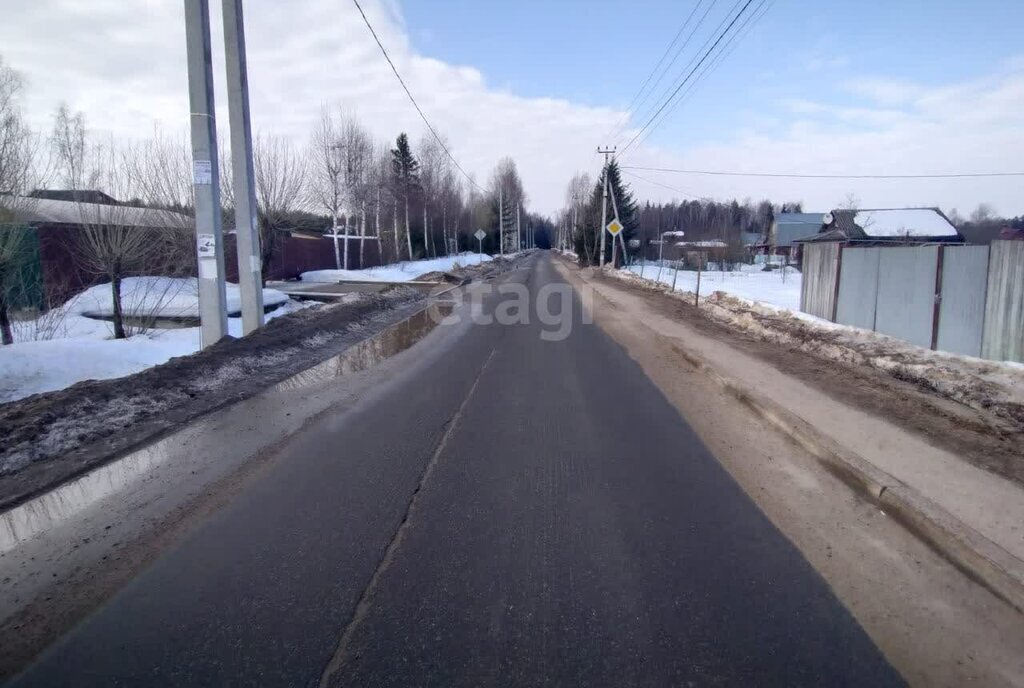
x=416, y=105
x=703, y=59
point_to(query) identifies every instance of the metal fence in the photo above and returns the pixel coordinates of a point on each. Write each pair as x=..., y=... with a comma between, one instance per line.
x=961, y=299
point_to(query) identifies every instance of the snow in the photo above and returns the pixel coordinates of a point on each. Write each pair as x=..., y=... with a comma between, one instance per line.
x=158, y=296
x=396, y=272
x=910, y=222
x=78, y=348
x=750, y=283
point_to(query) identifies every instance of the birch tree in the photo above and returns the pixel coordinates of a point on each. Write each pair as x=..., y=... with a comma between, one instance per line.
x=280, y=190
x=326, y=174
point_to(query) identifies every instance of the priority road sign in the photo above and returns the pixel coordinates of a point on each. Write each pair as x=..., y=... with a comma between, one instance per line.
x=480, y=234
x=614, y=227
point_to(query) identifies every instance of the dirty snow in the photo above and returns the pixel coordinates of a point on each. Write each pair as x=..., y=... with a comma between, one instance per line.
x=777, y=288
x=396, y=272
x=83, y=349
x=909, y=222
x=991, y=386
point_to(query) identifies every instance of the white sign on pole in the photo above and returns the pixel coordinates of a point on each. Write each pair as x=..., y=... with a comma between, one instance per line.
x=480, y=234
x=202, y=172
x=614, y=227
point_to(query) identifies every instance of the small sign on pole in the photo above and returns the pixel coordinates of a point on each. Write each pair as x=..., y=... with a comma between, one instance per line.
x=614, y=227
x=480, y=234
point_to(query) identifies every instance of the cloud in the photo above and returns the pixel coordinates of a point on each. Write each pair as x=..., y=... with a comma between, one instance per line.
x=123, y=64
x=901, y=128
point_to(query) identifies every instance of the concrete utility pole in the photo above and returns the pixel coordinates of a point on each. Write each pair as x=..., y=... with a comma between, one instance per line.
x=501, y=221
x=247, y=235
x=604, y=196
x=205, y=172
x=519, y=231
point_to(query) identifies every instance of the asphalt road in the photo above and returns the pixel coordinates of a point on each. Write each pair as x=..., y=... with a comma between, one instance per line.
x=522, y=512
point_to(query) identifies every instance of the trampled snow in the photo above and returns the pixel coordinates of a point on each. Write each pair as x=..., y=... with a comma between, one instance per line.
x=78, y=348
x=909, y=222
x=396, y=272
x=749, y=282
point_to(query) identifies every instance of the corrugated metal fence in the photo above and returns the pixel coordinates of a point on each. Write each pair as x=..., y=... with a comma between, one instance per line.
x=962, y=299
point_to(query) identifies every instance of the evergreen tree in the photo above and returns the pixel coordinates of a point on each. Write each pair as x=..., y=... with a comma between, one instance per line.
x=629, y=216
x=405, y=180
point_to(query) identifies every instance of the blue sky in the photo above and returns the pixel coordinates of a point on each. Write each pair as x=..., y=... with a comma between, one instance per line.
x=822, y=86
x=599, y=53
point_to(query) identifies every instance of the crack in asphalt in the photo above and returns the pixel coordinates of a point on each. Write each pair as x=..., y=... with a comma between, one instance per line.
x=340, y=655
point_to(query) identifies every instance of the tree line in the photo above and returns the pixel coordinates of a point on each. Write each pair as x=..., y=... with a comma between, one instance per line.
x=406, y=200
x=701, y=220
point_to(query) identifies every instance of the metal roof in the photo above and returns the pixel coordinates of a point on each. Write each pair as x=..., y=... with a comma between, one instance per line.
x=50, y=211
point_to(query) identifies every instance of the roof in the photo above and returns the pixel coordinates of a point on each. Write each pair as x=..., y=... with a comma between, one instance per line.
x=707, y=243
x=887, y=224
x=752, y=238
x=789, y=227
x=81, y=195
x=50, y=211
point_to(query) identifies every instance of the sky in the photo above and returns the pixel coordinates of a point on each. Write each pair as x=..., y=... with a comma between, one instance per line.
x=838, y=87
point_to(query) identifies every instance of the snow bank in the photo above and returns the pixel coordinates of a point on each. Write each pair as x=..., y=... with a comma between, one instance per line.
x=775, y=287
x=158, y=296
x=990, y=386
x=85, y=351
x=396, y=272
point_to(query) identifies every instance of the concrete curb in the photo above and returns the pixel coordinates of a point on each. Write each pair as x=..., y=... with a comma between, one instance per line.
x=978, y=557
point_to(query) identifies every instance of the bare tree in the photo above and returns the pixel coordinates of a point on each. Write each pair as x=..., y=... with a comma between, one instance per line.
x=18, y=149
x=356, y=147
x=982, y=214
x=326, y=173
x=280, y=190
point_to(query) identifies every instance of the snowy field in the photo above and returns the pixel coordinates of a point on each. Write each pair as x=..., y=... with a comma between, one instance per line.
x=750, y=282
x=64, y=347
x=396, y=272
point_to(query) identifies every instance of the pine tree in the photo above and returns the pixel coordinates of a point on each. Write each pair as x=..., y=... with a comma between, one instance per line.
x=404, y=178
x=629, y=216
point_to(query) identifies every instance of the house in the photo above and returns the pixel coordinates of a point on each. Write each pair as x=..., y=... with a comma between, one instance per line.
x=902, y=226
x=54, y=221
x=787, y=228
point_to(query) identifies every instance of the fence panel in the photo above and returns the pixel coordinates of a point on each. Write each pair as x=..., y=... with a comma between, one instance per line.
x=906, y=293
x=962, y=309
x=1003, y=339
x=818, y=286
x=858, y=287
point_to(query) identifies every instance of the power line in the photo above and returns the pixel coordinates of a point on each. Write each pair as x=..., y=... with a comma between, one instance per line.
x=696, y=67
x=723, y=54
x=394, y=69
x=664, y=186
x=617, y=128
x=723, y=173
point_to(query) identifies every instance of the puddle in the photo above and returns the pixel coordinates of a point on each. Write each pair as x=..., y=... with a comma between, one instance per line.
x=73, y=498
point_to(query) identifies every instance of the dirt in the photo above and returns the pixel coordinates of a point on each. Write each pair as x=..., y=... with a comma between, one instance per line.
x=991, y=438
x=52, y=437
x=934, y=624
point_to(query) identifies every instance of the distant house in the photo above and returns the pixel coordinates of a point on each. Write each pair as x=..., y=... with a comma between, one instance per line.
x=54, y=221
x=900, y=226
x=787, y=229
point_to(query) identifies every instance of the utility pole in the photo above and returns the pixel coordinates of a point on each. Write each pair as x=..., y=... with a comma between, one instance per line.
x=247, y=235
x=501, y=221
x=519, y=231
x=604, y=195
x=213, y=317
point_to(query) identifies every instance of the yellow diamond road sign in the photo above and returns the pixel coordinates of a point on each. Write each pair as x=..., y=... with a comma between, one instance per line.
x=614, y=227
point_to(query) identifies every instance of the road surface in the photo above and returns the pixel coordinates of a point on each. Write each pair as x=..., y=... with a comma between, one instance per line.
x=522, y=512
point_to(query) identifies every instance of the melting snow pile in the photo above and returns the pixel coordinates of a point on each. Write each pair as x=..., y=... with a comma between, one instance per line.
x=396, y=272
x=63, y=346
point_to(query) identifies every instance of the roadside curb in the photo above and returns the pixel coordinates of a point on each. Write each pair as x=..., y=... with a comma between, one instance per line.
x=975, y=555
